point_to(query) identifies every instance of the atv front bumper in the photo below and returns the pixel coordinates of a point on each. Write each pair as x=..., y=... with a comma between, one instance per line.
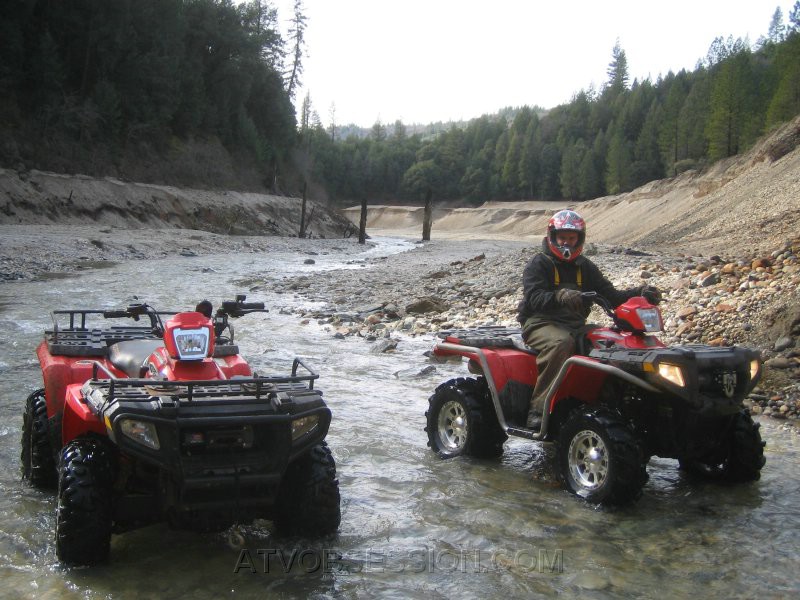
x=712, y=381
x=205, y=446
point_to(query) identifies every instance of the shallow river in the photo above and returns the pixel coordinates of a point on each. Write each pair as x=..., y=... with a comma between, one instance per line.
x=413, y=526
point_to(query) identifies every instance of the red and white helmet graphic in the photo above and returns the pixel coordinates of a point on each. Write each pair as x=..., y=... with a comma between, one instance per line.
x=566, y=220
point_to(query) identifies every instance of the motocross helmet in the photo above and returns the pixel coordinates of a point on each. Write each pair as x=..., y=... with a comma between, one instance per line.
x=566, y=220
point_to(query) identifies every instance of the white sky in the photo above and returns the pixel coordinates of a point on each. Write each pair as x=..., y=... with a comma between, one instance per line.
x=437, y=60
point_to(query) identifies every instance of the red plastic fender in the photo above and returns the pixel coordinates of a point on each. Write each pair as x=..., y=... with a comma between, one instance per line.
x=78, y=418
x=60, y=371
x=581, y=382
x=507, y=364
x=235, y=365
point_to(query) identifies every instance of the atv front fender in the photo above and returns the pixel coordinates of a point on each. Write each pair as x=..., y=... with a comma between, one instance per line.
x=78, y=417
x=582, y=378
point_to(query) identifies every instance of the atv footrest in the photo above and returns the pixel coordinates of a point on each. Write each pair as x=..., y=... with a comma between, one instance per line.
x=523, y=433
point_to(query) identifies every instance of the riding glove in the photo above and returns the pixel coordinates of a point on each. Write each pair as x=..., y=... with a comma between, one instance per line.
x=570, y=299
x=651, y=293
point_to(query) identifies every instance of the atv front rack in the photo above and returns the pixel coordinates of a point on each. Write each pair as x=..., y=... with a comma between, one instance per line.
x=209, y=392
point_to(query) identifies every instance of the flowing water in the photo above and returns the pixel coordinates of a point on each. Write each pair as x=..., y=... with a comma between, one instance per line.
x=413, y=526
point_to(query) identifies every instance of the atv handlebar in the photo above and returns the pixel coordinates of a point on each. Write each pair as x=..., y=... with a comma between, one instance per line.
x=115, y=314
x=134, y=311
x=238, y=307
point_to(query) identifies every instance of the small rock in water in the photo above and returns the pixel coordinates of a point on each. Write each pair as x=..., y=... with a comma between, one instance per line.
x=384, y=345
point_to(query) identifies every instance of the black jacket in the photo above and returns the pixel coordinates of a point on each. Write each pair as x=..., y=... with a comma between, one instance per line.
x=539, y=288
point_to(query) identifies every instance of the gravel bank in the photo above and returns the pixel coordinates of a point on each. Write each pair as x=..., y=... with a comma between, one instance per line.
x=719, y=300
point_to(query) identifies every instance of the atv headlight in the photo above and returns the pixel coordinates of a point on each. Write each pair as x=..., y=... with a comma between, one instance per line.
x=672, y=373
x=142, y=432
x=755, y=365
x=651, y=319
x=303, y=425
x=192, y=344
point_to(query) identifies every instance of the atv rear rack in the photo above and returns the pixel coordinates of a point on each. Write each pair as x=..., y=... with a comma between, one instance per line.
x=487, y=336
x=78, y=340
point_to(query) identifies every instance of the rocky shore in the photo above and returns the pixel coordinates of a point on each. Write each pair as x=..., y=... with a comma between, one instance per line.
x=718, y=300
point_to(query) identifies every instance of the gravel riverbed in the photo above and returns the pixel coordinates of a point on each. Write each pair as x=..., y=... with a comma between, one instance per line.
x=751, y=300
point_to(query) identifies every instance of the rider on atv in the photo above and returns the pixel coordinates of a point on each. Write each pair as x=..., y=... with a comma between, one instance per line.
x=553, y=311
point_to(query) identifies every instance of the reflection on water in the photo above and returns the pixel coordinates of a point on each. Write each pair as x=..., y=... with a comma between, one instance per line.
x=413, y=526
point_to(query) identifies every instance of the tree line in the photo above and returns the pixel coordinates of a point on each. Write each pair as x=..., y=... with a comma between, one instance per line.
x=123, y=73
x=134, y=76
x=602, y=142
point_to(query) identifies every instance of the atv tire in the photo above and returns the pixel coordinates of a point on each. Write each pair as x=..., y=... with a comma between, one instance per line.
x=84, y=513
x=308, y=502
x=461, y=420
x=741, y=459
x=599, y=458
x=38, y=463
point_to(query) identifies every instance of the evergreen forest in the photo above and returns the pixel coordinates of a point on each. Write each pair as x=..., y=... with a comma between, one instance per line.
x=116, y=83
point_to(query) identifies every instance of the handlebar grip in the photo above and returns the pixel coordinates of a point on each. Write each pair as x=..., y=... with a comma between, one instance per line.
x=252, y=306
x=115, y=314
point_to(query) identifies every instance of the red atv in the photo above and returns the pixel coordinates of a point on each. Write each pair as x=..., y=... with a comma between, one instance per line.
x=624, y=398
x=166, y=422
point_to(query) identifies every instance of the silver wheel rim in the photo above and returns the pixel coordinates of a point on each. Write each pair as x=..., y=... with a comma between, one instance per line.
x=452, y=426
x=588, y=460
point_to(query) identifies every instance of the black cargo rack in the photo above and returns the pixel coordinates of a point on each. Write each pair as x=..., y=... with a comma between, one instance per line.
x=208, y=392
x=487, y=336
x=77, y=339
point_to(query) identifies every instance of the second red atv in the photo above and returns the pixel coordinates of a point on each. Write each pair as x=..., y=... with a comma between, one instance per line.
x=624, y=398
x=164, y=421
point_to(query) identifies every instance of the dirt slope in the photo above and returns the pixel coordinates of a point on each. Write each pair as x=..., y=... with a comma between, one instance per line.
x=743, y=205
x=39, y=198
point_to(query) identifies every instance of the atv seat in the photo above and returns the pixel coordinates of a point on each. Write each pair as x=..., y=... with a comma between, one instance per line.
x=129, y=356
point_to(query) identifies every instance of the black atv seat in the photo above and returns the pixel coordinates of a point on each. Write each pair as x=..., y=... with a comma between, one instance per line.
x=129, y=356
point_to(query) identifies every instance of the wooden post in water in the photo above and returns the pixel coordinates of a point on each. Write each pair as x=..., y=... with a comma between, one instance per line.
x=303, y=213
x=426, y=217
x=362, y=223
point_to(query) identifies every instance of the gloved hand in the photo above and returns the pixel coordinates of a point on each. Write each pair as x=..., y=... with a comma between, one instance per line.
x=570, y=299
x=651, y=293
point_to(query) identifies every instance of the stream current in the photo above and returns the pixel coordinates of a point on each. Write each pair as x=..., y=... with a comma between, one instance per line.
x=413, y=526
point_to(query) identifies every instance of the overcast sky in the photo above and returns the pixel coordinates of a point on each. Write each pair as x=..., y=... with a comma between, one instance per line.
x=437, y=60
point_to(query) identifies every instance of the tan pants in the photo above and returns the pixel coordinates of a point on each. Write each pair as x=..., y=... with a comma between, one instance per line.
x=555, y=344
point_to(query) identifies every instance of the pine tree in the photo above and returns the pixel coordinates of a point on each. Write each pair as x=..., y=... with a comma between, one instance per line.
x=617, y=70
x=297, y=39
x=618, y=162
x=785, y=102
x=730, y=96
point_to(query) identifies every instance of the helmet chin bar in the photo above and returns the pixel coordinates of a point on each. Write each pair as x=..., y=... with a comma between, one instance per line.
x=566, y=251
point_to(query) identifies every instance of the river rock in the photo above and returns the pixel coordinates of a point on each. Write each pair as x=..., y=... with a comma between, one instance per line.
x=780, y=362
x=384, y=345
x=426, y=305
x=783, y=343
x=708, y=280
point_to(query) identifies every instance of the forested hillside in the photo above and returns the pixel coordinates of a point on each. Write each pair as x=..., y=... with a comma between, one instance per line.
x=175, y=91
x=199, y=93
x=603, y=142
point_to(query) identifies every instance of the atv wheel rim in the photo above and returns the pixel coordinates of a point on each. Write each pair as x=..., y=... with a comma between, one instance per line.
x=453, y=426
x=588, y=460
